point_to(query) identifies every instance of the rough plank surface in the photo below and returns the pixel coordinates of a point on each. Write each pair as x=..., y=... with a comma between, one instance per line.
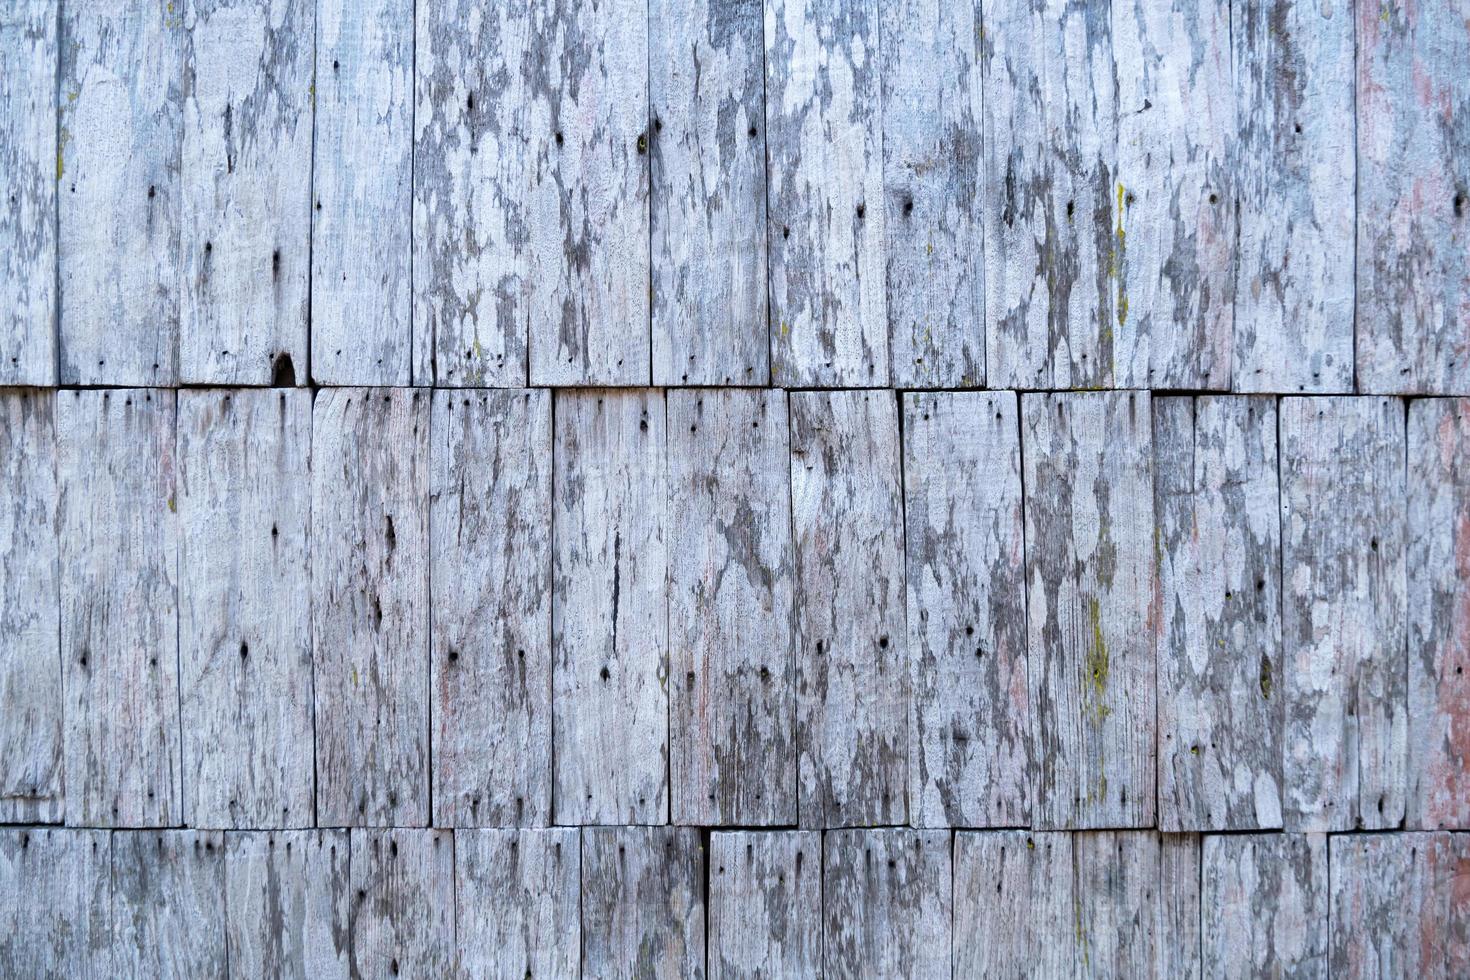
x=1092, y=607
x=490, y=541
x=642, y=902
x=1014, y=911
x=969, y=735
x=245, y=607
x=517, y=900
x=168, y=904
x=732, y=705
x=887, y=907
x=852, y=683
x=1264, y=905
x=55, y=916
x=1138, y=910
x=765, y=904
x=1344, y=612
x=401, y=918
x=286, y=896
x=707, y=88
x=609, y=629
x=370, y=605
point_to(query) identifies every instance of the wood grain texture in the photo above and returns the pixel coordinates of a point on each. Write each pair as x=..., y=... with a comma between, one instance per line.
x=490, y=541
x=1264, y=904
x=286, y=898
x=1138, y=904
x=1175, y=194
x=245, y=661
x=1438, y=562
x=401, y=918
x=933, y=186
x=765, y=904
x=609, y=629
x=1220, y=663
x=362, y=172
x=1092, y=598
x=1344, y=615
x=32, y=784
x=852, y=674
x=370, y=605
x=1014, y=911
x=118, y=171
x=969, y=731
x=517, y=902
x=1050, y=230
x=708, y=171
x=118, y=527
x=642, y=902
x=732, y=704
x=1413, y=216
x=825, y=226
x=55, y=917
x=1295, y=190
x=246, y=190
x=887, y=906
x=168, y=904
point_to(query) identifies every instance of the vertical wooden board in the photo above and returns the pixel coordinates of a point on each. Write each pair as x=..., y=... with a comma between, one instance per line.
x=370, y=606
x=1092, y=607
x=609, y=609
x=825, y=226
x=1294, y=188
x=1178, y=951
x=245, y=607
x=490, y=541
x=1264, y=904
x=168, y=904
x=286, y=900
x=1413, y=216
x=1050, y=231
x=852, y=672
x=362, y=167
x=887, y=907
x=765, y=904
x=1219, y=653
x=28, y=72
x=708, y=172
x=588, y=197
x=1439, y=614
x=54, y=910
x=401, y=921
x=969, y=731
x=932, y=192
x=1014, y=912
x=246, y=190
x=1344, y=612
x=642, y=902
x=118, y=527
x=517, y=902
x=119, y=155
x=732, y=711
x=1175, y=261
x=31, y=724
x=1138, y=904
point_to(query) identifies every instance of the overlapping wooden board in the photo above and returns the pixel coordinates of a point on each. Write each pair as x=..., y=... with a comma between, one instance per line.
x=401, y=905
x=517, y=902
x=286, y=896
x=1263, y=905
x=1014, y=908
x=886, y=903
x=168, y=904
x=765, y=904
x=642, y=902
x=55, y=912
x=1138, y=908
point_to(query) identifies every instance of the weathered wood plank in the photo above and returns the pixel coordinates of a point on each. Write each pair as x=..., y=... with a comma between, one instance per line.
x=1014, y=912
x=401, y=922
x=932, y=190
x=765, y=904
x=31, y=724
x=1439, y=614
x=886, y=903
x=1138, y=910
x=1050, y=230
x=118, y=528
x=732, y=717
x=245, y=607
x=120, y=190
x=642, y=902
x=246, y=190
x=1175, y=261
x=1344, y=612
x=55, y=917
x=370, y=605
x=286, y=898
x=1091, y=596
x=1413, y=157
x=28, y=73
x=852, y=673
x=609, y=630
x=1264, y=905
x=1294, y=187
x=708, y=172
x=825, y=227
x=1219, y=653
x=362, y=166
x=517, y=902
x=168, y=904
x=969, y=734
